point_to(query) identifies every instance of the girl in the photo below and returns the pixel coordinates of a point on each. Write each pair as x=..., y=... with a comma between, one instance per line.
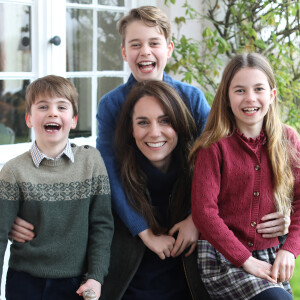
x=246, y=166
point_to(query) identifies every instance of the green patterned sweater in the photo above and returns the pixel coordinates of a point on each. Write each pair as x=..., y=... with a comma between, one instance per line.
x=70, y=207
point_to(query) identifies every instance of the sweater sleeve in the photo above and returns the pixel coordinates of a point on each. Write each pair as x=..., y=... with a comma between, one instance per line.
x=292, y=243
x=100, y=225
x=108, y=111
x=205, y=192
x=9, y=205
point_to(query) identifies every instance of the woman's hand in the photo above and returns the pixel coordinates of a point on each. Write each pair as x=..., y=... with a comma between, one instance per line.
x=90, y=284
x=284, y=266
x=21, y=231
x=258, y=268
x=187, y=236
x=275, y=224
x=162, y=245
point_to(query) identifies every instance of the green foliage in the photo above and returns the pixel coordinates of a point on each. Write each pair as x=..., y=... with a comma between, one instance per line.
x=269, y=27
x=295, y=280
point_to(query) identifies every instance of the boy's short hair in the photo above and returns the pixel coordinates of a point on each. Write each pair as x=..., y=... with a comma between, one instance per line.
x=52, y=86
x=151, y=16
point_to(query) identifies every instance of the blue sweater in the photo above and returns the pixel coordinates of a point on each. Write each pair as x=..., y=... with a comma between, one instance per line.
x=108, y=111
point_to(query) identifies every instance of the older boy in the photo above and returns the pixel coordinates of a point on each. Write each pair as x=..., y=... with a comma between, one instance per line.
x=63, y=190
x=146, y=46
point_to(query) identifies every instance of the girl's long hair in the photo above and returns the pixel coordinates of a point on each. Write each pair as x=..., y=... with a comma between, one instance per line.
x=221, y=122
x=133, y=178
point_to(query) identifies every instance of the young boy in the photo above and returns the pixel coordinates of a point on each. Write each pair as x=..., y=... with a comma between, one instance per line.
x=64, y=191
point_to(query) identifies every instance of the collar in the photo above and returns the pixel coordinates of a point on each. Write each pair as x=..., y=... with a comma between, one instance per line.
x=38, y=156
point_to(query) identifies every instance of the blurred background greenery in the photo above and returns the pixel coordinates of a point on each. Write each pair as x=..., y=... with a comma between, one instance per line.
x=295, y=282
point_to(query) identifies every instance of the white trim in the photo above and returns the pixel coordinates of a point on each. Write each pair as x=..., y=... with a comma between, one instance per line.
x=84, y=74
x=56, y=10
x=97, y=7
x=16, y=75
x=27, y=2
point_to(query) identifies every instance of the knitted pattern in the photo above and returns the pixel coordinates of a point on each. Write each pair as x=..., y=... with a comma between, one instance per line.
x=69, y=206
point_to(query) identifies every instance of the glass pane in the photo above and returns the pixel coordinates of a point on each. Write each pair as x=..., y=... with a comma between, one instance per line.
x=84, y=123
x=80, y=1
x=79, y=39
x=109, y=42
x=13, y=128
x=15, y=38
x=112, y=2
x=106, y=84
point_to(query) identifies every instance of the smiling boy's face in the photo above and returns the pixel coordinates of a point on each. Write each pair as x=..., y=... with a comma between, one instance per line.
x=146, y=51
x=52, y=119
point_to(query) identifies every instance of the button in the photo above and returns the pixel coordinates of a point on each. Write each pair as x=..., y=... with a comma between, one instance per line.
x=256, y=194
x=250, y=244
x=86, y=146
x=257, y=168
x=73, y=145
x=253, y=224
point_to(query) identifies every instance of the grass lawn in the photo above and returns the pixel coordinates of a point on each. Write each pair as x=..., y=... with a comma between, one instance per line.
x=295, y=282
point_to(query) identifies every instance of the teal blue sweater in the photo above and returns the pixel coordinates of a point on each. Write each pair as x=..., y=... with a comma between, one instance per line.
x=70, y=208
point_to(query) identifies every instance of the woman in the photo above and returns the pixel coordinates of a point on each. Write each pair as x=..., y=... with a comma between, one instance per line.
x=153, y=138
x=154, y=135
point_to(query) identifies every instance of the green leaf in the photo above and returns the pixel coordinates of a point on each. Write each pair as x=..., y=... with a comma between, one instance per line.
x=207, y=32
x=260, y=44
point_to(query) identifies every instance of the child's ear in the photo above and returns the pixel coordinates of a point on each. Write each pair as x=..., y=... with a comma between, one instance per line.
x=28, y=120
x=170, y=49
x=74, y=122
x=273, y=95
x=123, y=51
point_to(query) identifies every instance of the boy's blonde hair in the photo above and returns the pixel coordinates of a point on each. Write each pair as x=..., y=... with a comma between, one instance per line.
x=221, y=122
x=151, y=16
x=52, y=86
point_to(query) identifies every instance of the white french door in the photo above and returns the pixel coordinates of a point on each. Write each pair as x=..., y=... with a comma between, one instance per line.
x=77, y=39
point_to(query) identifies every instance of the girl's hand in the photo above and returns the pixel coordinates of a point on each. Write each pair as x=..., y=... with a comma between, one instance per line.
x=187, y=236
x=275, y=224
x=21, y=231
x=90, y=284
x=284, y=266
x=162, y=245
x=258, y=268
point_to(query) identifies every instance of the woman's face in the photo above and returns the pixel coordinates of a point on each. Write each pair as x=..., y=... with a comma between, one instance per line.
x=153, y=133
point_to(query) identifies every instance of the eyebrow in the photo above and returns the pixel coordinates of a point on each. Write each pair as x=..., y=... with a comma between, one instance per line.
x=242, y=86
x=59, y=102
x=143, y=118
x=151, y=39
